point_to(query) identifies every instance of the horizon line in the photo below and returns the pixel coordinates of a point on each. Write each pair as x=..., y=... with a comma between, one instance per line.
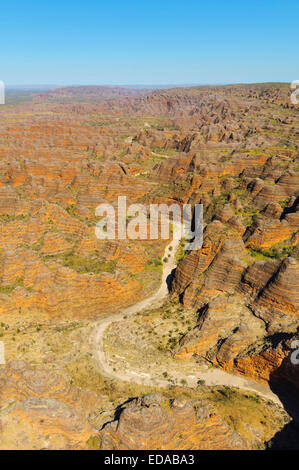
x=194, y=84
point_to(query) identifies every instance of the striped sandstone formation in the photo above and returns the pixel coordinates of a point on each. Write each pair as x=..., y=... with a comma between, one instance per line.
x=153, y=422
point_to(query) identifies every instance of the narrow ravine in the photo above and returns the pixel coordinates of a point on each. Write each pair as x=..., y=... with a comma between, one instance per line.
x=212, y=376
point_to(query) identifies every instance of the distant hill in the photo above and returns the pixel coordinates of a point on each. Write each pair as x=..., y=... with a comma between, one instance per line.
x=88, y=93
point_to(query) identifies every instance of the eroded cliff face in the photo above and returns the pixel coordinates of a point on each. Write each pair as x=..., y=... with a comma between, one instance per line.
x=268, y=307
x=247, y=311
x=243, y=282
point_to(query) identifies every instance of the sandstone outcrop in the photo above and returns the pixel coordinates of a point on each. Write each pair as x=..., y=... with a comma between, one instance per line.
x=278, y=302
x=153, y=422
x=225, y=329
x=61, y=156
x=41, y=410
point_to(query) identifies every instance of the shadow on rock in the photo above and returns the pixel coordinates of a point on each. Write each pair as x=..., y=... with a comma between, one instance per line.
x=169, y=279
x=284, y=382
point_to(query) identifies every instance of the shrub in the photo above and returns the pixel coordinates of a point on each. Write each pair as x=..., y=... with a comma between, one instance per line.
x=201, y=382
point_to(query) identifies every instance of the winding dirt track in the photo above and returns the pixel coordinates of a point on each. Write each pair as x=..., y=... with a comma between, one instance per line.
x=212, y=376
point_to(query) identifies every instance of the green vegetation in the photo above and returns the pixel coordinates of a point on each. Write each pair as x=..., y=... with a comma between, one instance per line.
x=215, y=204
x=285, y=202
x=245, y=412
x=249, y=215
x=93, y=443
x=8, y=289
x=201, y=382
x=181, y=251
x=37, y=245
x=179, y=189
x=276, y=252
x=164, y=151
x=70, y=210
x=150, y=162
x=5, y=218
x=82, y=264
x=155, y=264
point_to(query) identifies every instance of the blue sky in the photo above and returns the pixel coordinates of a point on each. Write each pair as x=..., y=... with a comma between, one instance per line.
x=148, y=42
